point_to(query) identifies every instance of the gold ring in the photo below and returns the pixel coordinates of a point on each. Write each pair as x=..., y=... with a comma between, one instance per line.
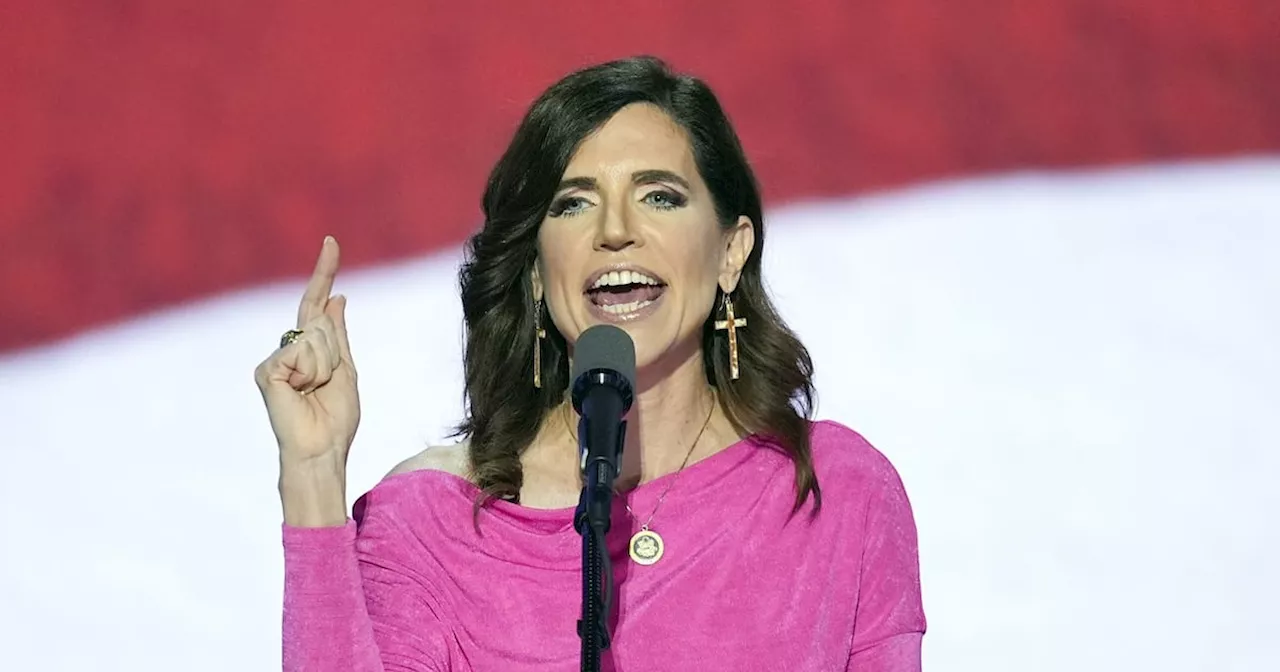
x=290, y=336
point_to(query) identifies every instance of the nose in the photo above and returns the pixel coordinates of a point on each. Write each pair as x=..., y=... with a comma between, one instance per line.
x=615, y=231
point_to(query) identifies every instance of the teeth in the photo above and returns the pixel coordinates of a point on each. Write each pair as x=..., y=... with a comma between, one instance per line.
x=625, y=308
x=616, y=278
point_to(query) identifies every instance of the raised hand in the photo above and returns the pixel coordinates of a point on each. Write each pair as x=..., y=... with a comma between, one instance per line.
x=309, y=387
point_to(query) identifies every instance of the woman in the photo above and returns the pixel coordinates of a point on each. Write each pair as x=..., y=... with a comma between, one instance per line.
x=624, y=198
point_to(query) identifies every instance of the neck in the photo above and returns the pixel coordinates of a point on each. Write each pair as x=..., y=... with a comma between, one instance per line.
x=669, y=413
x=670, y=409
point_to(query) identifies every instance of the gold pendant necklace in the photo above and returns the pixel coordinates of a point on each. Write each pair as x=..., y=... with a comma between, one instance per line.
x=647, y=547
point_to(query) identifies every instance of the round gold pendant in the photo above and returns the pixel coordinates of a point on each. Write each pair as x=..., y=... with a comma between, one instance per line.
x=646, y=547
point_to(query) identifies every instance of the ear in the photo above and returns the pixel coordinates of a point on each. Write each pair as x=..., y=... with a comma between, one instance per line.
x=739, y=241
x=535, y=279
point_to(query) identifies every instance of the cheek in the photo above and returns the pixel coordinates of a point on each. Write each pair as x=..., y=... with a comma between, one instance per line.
x=701, y=262
x=552, y=255
x=701, y=274
x=704, y=297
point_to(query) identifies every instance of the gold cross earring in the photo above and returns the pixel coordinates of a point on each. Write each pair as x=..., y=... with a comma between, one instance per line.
x=732, y=324
x=539, y=333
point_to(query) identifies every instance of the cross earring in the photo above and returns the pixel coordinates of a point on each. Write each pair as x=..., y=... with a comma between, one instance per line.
x=539, y=333
x=732, y=324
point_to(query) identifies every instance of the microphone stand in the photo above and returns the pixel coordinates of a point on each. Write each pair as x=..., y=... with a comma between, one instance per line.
x=600, y=445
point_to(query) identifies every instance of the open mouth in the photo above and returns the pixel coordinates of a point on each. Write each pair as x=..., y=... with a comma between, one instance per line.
x=625, y=293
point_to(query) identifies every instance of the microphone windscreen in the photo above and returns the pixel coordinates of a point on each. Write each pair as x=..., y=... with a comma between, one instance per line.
x=605, y=346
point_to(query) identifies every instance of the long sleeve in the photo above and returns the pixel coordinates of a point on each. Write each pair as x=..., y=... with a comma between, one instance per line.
x=353, y=604
x=889, y=622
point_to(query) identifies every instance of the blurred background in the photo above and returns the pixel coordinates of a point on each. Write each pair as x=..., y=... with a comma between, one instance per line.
x=1033, y=247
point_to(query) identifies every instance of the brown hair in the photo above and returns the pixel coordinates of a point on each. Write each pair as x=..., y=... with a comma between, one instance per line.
x=774, y=396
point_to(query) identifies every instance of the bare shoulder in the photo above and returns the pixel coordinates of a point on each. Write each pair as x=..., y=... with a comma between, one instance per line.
x=451, y=459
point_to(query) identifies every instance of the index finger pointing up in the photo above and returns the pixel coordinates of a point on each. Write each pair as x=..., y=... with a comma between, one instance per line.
x=320, y=284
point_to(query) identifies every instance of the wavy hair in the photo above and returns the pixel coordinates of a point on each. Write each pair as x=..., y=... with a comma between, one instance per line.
x=504, y=411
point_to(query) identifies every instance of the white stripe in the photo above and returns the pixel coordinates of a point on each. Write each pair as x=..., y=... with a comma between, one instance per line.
x=1075, y=375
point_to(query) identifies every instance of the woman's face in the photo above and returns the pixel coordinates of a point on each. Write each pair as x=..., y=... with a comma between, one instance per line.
x=632, y=239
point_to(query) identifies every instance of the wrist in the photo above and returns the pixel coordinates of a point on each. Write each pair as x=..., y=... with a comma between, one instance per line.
x=313, y=492
x=316, y=466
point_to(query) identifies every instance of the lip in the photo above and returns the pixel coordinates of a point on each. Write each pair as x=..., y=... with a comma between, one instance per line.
x=606, y=316
x=591, y=279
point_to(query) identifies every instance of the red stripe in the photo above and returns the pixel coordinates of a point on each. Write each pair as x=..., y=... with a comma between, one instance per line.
x=156, y=151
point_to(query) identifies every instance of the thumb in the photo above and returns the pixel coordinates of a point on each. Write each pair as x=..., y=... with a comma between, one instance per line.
x=274, y=381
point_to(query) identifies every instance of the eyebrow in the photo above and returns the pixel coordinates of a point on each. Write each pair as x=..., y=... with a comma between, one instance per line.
x=638, y=177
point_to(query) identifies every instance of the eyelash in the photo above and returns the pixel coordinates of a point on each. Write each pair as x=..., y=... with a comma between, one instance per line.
x=673, y=200
x=560, y=207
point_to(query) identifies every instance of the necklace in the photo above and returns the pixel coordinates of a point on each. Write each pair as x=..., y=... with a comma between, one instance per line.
x=647, y=546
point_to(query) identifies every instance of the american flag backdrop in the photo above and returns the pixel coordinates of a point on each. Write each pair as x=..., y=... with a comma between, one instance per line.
x=1034, y=248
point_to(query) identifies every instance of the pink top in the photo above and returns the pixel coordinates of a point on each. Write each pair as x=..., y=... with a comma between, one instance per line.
x=410, y=585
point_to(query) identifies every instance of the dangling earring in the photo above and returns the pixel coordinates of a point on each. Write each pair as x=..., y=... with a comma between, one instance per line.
x=539, y=334
x=732, y=324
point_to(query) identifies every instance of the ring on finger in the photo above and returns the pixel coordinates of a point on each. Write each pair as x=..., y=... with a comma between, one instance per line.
x=290, y=336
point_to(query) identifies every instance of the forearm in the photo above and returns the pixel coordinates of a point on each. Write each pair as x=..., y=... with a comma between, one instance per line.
x=326, y=624
x=314, y=493
x=351, y=602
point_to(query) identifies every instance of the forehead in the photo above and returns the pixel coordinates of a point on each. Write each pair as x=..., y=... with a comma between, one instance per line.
x=639, y=137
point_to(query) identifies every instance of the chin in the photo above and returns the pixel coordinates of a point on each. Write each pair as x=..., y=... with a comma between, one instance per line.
x=660, y=352
x=657, y=340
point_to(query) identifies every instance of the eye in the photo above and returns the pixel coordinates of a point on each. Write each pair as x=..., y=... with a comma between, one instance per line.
x=568, y=206
x=664, y=199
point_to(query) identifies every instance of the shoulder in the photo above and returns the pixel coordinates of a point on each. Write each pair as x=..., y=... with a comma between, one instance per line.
x=845, y=460
x=857, y=477
x=434, y=480
x=449, y=459
x=437, y=467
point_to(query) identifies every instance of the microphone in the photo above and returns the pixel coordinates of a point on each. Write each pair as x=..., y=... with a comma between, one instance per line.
x=604, y=373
